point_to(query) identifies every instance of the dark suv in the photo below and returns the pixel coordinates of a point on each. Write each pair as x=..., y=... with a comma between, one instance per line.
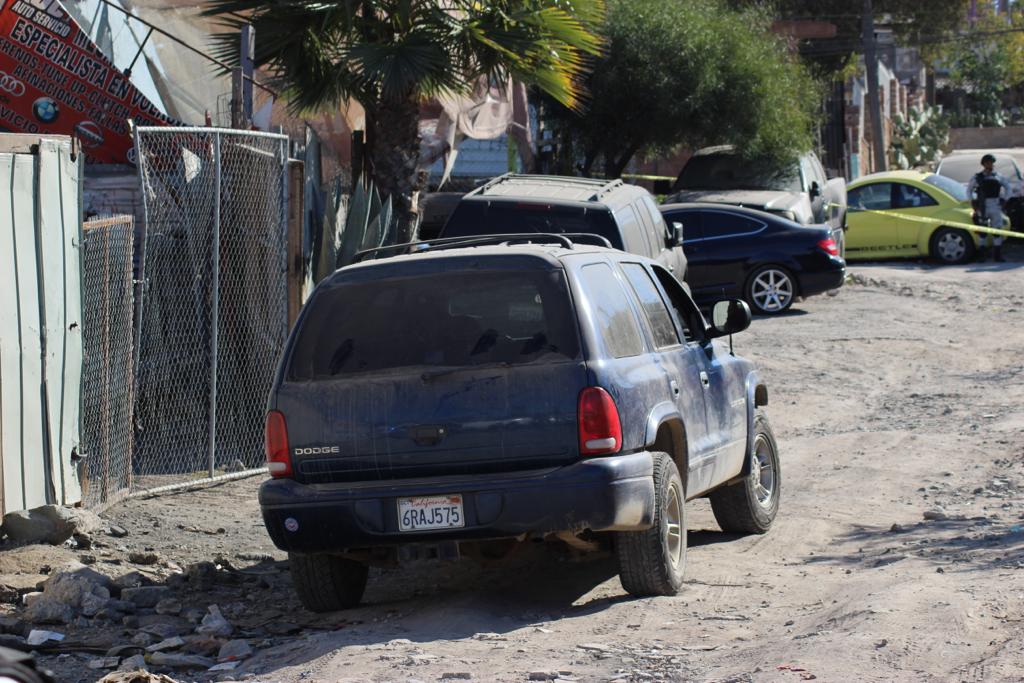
x=461, y=399
x=626, y=215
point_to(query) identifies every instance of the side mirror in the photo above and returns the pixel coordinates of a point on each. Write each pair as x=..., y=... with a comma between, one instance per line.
x=729, y=317
x=815, y=190
x=675, y=238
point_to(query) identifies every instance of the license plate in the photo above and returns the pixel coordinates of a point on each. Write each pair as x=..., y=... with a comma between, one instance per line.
x=430, y=512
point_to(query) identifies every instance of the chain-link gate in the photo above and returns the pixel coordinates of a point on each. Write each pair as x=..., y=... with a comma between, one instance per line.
x=214, y=309
x=108, y=357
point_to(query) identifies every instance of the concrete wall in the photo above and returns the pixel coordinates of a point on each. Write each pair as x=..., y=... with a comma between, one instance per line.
x=986, y=138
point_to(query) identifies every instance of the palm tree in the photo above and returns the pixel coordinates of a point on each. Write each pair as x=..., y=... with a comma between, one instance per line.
x=389, y=55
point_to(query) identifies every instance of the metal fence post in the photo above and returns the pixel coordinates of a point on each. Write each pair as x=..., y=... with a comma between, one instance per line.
x=215, y=303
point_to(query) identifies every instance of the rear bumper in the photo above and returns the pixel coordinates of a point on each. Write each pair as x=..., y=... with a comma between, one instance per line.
x=824, y=278
x=600, y=494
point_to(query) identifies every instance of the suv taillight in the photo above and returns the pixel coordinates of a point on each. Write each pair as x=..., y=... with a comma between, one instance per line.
x=828, y=245
x=600, y=430
x=279, y=462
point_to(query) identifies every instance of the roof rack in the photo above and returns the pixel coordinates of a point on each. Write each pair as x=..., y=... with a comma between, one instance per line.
x=569, y=240
x=600, y=186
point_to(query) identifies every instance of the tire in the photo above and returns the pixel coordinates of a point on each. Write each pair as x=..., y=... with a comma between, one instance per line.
x=750, y=506
x=327, y=583
x=652, y=561
x=951, y=246
x=770, y=290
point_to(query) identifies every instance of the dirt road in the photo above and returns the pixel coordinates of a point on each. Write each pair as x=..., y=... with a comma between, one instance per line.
x=901, y=396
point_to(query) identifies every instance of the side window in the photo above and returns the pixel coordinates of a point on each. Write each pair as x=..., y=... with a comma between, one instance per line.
x=661, y=232
x=616, y=323
x=632, y=231
x=662, y=327
x=807, y=173
x=873, y=197
x=909, y=197
x=690, y=320
x=724, y=224
x=693, y=229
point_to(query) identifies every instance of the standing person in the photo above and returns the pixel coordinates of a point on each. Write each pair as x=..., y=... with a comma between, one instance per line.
x=986, y=190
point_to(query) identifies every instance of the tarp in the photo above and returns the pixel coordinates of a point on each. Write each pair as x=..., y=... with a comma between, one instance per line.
x=54, y=80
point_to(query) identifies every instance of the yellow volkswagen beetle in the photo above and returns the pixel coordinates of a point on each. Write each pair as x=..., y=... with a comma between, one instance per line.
x=908, y=214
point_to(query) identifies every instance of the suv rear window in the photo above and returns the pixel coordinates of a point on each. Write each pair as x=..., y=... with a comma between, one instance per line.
x=732, y=172
x=446, y=320
x=478, y=217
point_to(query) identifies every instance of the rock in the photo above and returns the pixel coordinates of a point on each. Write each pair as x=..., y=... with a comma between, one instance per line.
x=51, y=524
x=124, y=651
x=39, y=636
x=12, y=624
x=132, y=580
x=12, y=641
x=214, y=623
x=594, y=647
x=145, y=596
x=176, y=581
x=194, y=614
x=168, y=644
x=121, y=605
x=131, y=621
x=49, y=611
x=104, y=663
x=937, y=515
x=168, y=606
x=83, y=541
x=203, y=645
x=93, y=604
x=234, y=650
x=143, y=557
x=143, y=639
x=180, y=661
x=28, y=598
x=456, y=675
x=117, y=531
x=543, y=675
x=72, y=582
x=896, y=528
x=133, y=663
x=201, y=575
x=140, y=676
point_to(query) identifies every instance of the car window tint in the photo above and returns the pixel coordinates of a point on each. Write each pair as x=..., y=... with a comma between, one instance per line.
x=448, y=319
x=909, y=197
x=726, y=224
x=691, y=220
x=685, y=311
x=478, y=217
x=660, y=319
x=873, y=197
x=612, y=313
x=632, y=231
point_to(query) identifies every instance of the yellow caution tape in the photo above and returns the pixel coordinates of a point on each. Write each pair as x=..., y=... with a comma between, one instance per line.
x=951, y=224
x=647, y=177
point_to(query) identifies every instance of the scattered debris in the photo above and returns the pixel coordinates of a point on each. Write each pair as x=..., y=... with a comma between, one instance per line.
x=138, y=557
x=214, y=623
x=234, y=650
x=38, y=636
x=51, y=524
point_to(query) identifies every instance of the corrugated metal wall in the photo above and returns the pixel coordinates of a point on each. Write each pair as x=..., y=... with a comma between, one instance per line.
x=40, y=321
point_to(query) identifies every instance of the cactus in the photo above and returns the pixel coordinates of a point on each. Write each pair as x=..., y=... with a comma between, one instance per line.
x=918, y=138
x=351, y=224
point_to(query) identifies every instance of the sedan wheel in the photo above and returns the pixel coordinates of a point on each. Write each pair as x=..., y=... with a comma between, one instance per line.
x=770, y=290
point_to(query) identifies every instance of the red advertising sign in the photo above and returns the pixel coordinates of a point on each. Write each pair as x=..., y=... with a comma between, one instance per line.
x=53, y=79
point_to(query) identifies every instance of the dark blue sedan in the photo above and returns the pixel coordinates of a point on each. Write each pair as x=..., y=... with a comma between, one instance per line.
x=766, y=259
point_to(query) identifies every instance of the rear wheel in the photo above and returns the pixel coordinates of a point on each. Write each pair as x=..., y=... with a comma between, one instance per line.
x=651, y=562
x=326, y=583
x=952, y=246
x=749, y=506
x=770, y=290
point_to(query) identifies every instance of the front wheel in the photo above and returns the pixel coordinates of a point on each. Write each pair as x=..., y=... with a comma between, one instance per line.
x=651, y=562
x=952, y=246
x=770, y=290
x=749, y=506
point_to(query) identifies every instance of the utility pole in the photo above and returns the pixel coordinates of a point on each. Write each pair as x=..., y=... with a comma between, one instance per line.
x=241, y=81
x=874, y=106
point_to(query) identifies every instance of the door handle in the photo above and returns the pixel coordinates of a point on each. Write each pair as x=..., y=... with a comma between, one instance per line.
x=675, y=387
x=704, y=379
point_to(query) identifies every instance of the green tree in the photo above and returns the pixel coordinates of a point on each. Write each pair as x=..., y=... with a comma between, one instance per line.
x=688, y=72
x=390, y=55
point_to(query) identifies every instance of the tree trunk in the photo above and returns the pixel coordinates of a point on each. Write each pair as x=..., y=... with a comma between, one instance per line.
x=613, y=167
x=394, y=141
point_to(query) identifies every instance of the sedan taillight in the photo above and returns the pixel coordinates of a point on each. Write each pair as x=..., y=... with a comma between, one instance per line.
x=829, y=246
x=599, y=427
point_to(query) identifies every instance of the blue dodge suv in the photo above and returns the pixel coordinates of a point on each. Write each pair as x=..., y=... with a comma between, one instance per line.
x=479, y=392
